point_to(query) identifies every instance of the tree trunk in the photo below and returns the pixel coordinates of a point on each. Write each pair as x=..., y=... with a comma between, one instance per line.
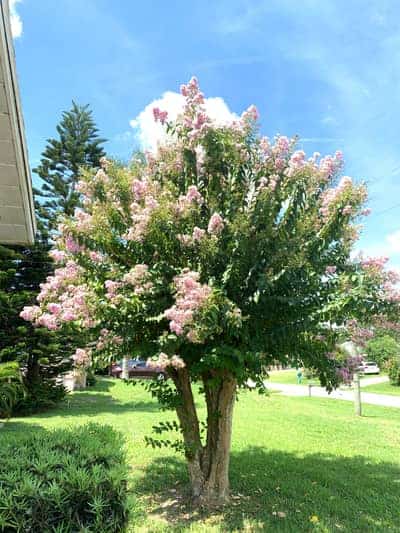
x=208, y=465
x=187, y=415
x=220, y=399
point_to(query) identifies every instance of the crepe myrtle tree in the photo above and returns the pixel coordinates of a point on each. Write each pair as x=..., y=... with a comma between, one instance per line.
x=219, y=253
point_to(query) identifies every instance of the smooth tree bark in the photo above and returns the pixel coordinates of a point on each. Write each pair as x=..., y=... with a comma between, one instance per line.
x=208, y=464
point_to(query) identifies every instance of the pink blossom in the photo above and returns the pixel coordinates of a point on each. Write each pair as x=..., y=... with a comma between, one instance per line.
x=347, y=210
x=83, y=220
x=81, y=358
x=30, y=312
x=139, y=278
x=48, y=321
x=54, y=308
x=58, y=256
x=365, y=212
x=139, y=188
x=198, y=234
x=160, y=115
x=68, y=316
x=193, y=195
x=190, y=297
x=281, y=147
x=216, y=224
x=111, y=289
x=163, y=361
x=250, y=115
x=96, y=257
x=104, y=162
x=345, y=182
x=72, y=246
x=330, y=270
x=184, y=239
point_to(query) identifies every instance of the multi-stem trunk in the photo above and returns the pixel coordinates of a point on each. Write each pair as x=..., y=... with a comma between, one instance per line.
x=208, y=465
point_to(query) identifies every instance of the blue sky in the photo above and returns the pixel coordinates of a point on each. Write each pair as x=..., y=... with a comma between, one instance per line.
x=328, y=71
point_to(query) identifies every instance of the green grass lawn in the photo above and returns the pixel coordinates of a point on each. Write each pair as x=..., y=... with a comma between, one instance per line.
x=383, y=388
x=289, y=377
x=298, y=464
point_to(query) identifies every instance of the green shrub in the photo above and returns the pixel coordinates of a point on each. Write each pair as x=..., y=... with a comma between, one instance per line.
x=11, y=388
x=65, y=480
x=383, y=348
x=393, y=368
x=90, y=378
x=40, y=396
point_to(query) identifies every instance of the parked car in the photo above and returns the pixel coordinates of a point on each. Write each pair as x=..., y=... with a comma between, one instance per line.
x=136, y=369
x=369, y=367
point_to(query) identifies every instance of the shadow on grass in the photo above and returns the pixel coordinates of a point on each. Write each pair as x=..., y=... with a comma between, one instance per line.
x=280, y=491
x=12, y=429
x=92, y=404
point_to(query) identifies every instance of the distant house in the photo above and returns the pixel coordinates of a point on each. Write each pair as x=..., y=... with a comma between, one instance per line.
x=17, y=217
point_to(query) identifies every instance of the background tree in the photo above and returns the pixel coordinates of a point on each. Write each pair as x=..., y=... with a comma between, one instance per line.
x=382, y=348
x=37, y=350
x=77, y=145
x=218, y=255
x=43, y=354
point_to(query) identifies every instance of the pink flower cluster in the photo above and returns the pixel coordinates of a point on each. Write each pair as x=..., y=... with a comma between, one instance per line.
x=358, y=334
x=250, y=116
x=160, y=115
x=81, y=358
x=329, y=166
x=62, y=299
x=140, y=188
x=112, y=288
x=268, y=183
x=194, y=121
x=104, y=163
x=139, y=278
x=330, y=197
x=190, y=297
x=296, y=162
x=107, y=339
x=281, y=149
x=375, y=264
x=72, y=246
x=347, y=371
x=141, y=212
x=83, y=221
x=197, y=236
x=215, y=224
x=59, y=256
x=330, y=270
x=192, y=198
x=163, y=361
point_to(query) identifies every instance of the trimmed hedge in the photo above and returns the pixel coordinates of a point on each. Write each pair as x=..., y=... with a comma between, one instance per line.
x=63, y=481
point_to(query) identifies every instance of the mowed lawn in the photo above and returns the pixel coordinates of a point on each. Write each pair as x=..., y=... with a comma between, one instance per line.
x=289, y=377
x=383, y=388
x=298, y=464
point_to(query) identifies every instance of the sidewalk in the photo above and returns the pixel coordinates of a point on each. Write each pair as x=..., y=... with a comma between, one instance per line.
x=338, y=394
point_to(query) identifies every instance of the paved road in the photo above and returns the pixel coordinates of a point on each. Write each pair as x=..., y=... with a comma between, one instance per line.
x=339, y=394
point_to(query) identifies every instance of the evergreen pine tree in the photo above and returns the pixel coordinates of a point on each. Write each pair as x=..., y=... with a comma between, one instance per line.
x=44, y=355
x=78, y=145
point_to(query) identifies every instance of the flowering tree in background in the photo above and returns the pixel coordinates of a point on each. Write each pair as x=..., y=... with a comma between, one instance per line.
x=219, y=254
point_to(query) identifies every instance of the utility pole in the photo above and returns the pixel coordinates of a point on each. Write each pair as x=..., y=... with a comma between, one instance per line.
x=357, y=394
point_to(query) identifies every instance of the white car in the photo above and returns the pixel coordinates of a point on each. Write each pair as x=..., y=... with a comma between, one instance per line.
x=369, y=367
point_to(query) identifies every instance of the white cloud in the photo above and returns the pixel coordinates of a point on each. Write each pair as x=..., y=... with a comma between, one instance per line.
x=16, y=22
x=149, y=133
x=394, y=241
